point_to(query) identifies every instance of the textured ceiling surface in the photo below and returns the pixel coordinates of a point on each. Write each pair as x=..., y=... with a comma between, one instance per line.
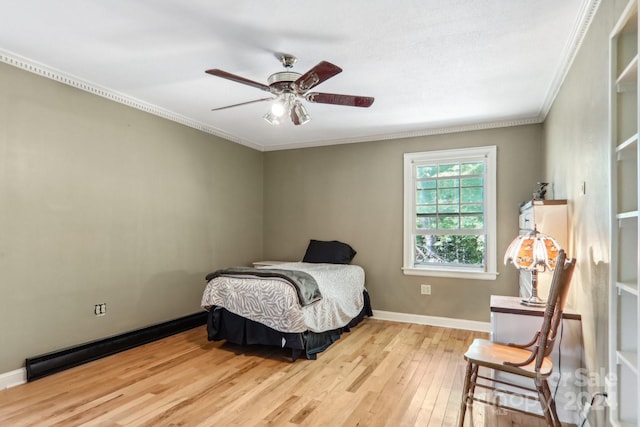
x=432, y=66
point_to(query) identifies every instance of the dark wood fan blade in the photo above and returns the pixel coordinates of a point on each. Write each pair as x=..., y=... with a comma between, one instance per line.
x=242, y=103
x=321, y=72
x=333, y=98
x=237, y=79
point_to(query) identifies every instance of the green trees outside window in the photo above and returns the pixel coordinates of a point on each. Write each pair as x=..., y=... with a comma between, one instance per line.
x=450, y=213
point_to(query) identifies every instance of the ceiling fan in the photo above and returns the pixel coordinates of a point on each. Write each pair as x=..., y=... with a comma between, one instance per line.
x=288, y=87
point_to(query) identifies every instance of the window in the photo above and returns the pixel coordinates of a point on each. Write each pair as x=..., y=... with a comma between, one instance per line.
x=450, y=213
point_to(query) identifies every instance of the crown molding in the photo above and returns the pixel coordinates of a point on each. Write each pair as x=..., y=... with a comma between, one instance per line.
x=571, y=49
x=26, y=64
x=410, y=134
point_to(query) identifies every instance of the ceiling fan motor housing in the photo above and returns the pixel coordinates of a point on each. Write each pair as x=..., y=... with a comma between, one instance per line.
x=282, y=80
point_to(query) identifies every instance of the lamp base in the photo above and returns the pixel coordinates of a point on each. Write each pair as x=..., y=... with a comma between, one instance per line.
x=533, y=301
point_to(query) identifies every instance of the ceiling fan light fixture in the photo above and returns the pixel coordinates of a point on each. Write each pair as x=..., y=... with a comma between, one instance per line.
x=283, y=104
x=278, y=108
x=300, y=113
x=286, y=104
x=271, y=118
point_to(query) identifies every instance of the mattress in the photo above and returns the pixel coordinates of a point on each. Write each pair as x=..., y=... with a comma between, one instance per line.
x=274, y=302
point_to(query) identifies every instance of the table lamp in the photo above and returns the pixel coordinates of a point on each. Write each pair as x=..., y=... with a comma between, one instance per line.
x=534, y=252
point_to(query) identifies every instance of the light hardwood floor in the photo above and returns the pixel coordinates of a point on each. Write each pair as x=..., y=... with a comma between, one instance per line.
x=379, y=374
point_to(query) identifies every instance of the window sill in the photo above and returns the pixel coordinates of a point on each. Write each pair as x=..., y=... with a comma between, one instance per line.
x=457, y=274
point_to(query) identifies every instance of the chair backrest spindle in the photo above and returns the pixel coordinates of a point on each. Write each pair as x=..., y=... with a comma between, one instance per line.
x=555, y=307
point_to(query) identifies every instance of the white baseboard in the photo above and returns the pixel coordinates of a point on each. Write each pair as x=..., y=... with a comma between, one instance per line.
x=445, y=322
x=13, y=378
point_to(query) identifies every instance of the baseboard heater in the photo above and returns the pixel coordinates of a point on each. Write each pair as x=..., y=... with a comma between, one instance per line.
x=50, y=363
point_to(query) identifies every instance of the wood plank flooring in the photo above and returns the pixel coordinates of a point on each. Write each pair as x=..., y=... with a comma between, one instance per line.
x=379, y=374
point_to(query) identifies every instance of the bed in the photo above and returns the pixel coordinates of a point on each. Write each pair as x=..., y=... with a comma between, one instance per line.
x=302, y=306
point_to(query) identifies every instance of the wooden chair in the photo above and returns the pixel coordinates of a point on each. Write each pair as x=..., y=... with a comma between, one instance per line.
x=529, y=360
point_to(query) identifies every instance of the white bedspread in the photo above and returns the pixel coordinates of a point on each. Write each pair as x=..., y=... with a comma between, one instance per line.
x=274, y=303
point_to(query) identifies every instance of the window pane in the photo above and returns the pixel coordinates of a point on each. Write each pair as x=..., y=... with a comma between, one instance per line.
x=476, y=168
x=449, y=183
x=423, y=252
x=426, y=223
x=471, y=182
x=472, y=208
x=426, y=184
x=471, y=195
x=472, y=222
x=450, y=249
x=426, y=197
x=443, y=209
x=448, y=196
x=449, y=170
x=426, y=171
x=426, y=209
x=448, y=222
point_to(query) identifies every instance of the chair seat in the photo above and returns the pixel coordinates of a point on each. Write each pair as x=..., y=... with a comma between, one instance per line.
x=493, y=355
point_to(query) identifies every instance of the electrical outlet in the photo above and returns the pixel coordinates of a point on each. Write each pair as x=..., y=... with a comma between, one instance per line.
x=100, y=309
x=425, y=289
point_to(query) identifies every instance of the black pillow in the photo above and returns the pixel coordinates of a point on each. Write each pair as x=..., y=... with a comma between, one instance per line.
x=333, y=252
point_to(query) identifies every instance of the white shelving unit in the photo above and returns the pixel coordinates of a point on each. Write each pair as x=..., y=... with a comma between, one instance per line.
x=624, y=329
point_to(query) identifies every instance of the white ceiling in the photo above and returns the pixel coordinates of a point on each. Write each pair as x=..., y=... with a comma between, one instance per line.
x=433, y=66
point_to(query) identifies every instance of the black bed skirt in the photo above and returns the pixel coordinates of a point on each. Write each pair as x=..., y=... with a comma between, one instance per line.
x=224, y=325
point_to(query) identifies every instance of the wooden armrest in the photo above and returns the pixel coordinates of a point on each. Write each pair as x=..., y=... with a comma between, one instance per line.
x=527, y=345
x=530, y=359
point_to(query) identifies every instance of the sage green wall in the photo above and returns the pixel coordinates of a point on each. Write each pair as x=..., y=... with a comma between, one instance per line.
x=577, y=148
x=354, y=193
x=102, y=203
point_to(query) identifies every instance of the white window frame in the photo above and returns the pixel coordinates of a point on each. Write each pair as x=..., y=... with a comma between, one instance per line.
x=489, y=272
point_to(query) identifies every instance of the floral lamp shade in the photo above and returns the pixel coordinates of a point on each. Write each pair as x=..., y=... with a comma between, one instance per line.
x=533, y=252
